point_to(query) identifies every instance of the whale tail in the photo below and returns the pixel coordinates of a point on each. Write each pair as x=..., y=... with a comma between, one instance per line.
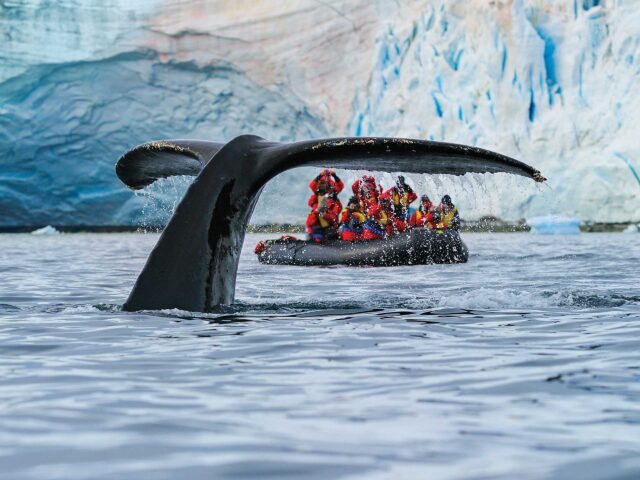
x=194, y=264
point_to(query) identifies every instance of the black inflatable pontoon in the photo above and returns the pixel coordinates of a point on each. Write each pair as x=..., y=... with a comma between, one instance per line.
x=415, y=247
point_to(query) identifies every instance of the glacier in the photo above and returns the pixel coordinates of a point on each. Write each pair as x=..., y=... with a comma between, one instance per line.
x=554, y=225
x=553, y=83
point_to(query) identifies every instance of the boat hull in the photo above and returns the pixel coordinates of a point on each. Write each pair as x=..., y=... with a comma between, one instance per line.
x=416, y=247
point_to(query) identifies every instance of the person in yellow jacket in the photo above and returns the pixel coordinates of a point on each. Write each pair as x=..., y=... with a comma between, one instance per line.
x=376, y=224
x=352, y=220
x=424, y=216
x=446, y=215
x=401, y=195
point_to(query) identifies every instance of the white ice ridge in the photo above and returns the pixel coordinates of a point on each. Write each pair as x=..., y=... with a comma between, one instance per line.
x=554, y=83
x=48, y=230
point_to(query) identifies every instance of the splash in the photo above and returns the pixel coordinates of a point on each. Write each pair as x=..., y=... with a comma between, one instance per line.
x=161, y=199
x=477, y=195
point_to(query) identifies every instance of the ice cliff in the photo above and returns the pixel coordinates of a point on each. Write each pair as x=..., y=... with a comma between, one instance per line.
x=554, y=83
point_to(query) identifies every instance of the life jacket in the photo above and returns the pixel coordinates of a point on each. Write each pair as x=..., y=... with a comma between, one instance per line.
x=400, y=201
x=377, y=214
x=375, y=224
x=351, y=225
x=405, y=199
x=372, y=230
x=420, y=219
x=323, y=222
x=445, y=218
x=348, y=218
x=333, y=202
x=332, y=211
x=316, y=198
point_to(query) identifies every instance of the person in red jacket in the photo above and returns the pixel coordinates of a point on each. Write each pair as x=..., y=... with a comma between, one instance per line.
x=385, y=206
x=322, y=222
x=367, y=191
x=376, y=223
x=351, y=221
x=423, y=216
x=446, y=216
x=394, y=224
x=329, y=177
x=401, y=195
x=326, y=183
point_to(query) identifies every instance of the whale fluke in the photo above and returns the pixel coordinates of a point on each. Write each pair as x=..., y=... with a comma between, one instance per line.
x=146, y=163
x=193, y=266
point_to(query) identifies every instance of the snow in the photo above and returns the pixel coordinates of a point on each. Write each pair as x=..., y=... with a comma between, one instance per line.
x=552, y=83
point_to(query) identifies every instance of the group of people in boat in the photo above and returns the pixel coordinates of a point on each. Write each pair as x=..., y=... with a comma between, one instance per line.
x=372, y=212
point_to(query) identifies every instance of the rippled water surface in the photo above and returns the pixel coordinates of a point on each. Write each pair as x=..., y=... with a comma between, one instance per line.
x=523, y=363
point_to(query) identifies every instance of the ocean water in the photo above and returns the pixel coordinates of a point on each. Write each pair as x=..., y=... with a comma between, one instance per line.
x=523, y=363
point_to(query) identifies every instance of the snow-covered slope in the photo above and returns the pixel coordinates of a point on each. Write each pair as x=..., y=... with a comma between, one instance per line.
x=554, y=83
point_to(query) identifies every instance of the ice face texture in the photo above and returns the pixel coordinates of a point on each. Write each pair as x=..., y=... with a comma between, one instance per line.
x=554, y=84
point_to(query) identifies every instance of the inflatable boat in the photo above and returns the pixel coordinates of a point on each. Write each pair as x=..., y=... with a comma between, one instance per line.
x=415, y=247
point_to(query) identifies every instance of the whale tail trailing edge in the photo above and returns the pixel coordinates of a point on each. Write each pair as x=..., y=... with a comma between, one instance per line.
x=194, y=264
x=146, y=163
